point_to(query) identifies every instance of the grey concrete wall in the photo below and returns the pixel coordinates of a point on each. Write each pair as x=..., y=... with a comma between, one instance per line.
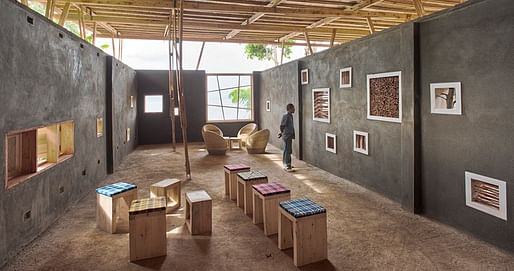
x=156, y=128
x=46, y=79
x=477, y=50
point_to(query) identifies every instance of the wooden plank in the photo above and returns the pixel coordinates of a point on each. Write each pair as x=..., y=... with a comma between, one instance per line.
x=66, y=138
x=52, y=135
x=419, y=7
x=64, y=14
x=252, y=19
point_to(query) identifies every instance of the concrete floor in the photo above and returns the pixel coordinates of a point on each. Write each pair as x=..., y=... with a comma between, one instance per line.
x=365, y=230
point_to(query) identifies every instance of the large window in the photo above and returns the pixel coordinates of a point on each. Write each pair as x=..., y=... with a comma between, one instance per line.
x=34, y=150
x=229, y=97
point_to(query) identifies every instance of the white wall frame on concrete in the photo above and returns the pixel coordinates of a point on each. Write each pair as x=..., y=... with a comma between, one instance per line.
x=383, y=75
x=268, y=106
x=345, y=77
x=321, y=104
x=360, y=142
x=446, y=98
x=493, y=203
x=304, y=76
x=331, y=142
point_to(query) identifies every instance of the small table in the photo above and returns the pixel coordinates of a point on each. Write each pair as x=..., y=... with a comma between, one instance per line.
x=198, y=212
x=266, y=198
x=230, y=142
x=170, y=189
x=302, y=224
x=231, y=178
x=107, y=198
x=147, y=228
x=245, y=180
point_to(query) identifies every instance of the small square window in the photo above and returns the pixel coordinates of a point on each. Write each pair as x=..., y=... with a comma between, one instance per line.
x=360, y=142
x=153, y=104
x=99, y=127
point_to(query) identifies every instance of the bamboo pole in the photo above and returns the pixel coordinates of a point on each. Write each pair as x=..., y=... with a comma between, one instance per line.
x=113, y=49
x=64, y=14
x=94, y=33
x=200, y=56
x=282, y=55
x=171, y=88
x=333, y=37
x=308, y=43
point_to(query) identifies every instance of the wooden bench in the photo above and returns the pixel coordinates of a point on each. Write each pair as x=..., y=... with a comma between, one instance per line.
x=147, y=228
x=170, y=189
x=266, y=198
x=245, y=180
x=198, y=212
x=231, y=178
x=302, y=225
x=107, y=198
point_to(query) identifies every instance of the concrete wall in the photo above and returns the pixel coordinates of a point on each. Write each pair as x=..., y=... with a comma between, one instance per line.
x=156, y=128
x=419, y=163
x=46, y=79
x=477, y=50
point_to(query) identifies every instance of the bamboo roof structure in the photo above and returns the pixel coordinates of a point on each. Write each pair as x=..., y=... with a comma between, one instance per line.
x=245, y=21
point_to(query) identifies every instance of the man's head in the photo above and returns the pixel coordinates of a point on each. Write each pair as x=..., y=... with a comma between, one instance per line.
x=290, y=108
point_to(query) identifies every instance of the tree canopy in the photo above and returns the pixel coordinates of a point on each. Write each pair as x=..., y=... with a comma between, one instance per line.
x=267, y=52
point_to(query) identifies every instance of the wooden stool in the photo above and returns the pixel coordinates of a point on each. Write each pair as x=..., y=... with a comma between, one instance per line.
x=231, y=178
x=232, y=140
x=198, y=212
x=147, y=228
x=245, y=180
x=170, y=189
x=302, y=224
x=265, y=205
x=107, y=198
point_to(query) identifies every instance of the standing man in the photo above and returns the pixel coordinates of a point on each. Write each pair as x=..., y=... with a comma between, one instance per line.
x=287, y=134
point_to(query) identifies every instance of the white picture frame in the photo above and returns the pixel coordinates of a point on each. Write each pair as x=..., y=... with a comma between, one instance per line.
x=437, y=100
x=502, y=211
x=360, y=148
x=381, y=75
x=304, y=76
x=268, y=106
x=327, y=136
x=314, y=91
x=349, y=84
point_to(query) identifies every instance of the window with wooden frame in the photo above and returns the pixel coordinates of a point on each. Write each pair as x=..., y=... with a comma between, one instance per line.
x=360, y=142
x=345, y=78
x=321, y=104
x=486, y=194
x=229, y=97
x=31, y=151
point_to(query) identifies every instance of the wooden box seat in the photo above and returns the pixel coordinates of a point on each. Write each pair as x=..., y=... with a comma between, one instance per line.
x=266, y=198
x=107, y=198
x=303, y=225
x=245, y=180
x=198, y=212
x=147, y=228
x=231, y=178
x=170, y=190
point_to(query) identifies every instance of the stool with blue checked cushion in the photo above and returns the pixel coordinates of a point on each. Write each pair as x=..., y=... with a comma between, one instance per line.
x=266, y=197
x=107, y=199
x=147, y=238
x=302, y=224
x=245, y=180
x=231, y=178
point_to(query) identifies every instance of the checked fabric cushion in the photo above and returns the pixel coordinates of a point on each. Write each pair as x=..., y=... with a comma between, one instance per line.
x=268, y=189
x=147, y=205
x=251, y=175
x=115, y=189
x=302, y=207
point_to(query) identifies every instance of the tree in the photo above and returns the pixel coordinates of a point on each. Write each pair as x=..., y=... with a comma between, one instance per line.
x=244, y=95
x=267, y=52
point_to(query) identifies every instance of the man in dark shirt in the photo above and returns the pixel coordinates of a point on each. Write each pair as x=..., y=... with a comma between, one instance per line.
x=287, y=134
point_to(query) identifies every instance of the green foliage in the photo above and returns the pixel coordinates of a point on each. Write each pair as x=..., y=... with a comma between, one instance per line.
x=38, y=7
x=245, y=95
x=266, y=52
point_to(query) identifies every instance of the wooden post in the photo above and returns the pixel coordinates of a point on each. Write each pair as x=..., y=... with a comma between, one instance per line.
x=94, y=33
x=333, y=37
x=308, y=43
x=64, y=14
x=171, y=86
x=113, y=49
x=419, y=7
x=282, y=55
x=48, y=8
x=200, y=56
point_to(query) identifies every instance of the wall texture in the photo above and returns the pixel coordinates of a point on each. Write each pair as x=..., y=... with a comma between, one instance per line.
x=46, y=79
x=156, y=128
x=419, y=163
x=477, y=50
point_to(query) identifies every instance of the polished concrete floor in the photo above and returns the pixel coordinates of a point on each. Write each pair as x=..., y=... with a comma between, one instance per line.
x=365, y=230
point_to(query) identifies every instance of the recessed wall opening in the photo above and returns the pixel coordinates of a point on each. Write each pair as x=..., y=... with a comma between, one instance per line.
x=153, y=103
x=99, y=127
x=486, y=194
x=30, y=20
x=330, y=142
x=345, y=78
x=176, y=111
x=128, y=134
x=360, y=142
x=131, y=101
x=321, y=104
x=304, y=76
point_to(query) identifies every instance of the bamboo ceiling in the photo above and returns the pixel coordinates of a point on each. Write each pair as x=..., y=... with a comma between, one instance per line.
x=248, y=21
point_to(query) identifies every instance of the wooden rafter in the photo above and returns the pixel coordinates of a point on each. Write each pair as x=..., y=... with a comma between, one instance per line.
x=370, y=25
x=419, y=7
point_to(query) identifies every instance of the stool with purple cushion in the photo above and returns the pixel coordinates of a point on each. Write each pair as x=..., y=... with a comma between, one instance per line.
x=302, y=224
x=266, y=198
x=245, y=180
x=231, y=178
x=107, y=198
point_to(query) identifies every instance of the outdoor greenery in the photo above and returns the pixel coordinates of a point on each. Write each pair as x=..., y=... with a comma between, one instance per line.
x=245, y=96
x=267, y=52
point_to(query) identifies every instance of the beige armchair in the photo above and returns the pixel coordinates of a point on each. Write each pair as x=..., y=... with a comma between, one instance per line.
x=214, y=143
x=257, y=142
x=247, y=130
x=212, y=128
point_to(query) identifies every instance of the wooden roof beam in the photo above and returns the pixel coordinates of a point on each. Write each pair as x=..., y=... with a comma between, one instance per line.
x=419, y=7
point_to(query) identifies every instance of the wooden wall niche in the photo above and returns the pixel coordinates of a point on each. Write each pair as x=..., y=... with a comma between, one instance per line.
x=304, y=76
x=131, y=101
x=445, y=98
x=268, y=106
x=128, y=134
x=331, y=142
x=486, y=194
x=345, y=78
x=384, y=96
x=361, y=142
x=99, y=127
x=321, y=104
